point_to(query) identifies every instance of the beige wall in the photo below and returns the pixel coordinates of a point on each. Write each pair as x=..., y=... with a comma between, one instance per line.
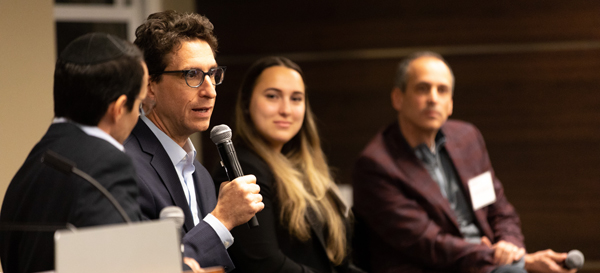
x=180, y=5
x=27, y=57
x=27, y=64
x=27, y=54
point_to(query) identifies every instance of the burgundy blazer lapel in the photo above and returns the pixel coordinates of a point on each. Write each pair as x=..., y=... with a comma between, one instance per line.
x=414, y=174
x=468, y=162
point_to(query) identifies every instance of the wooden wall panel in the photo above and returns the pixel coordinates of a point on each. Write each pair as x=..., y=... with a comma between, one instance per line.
x=246, y=26
x=537, y=107
x=540, y=116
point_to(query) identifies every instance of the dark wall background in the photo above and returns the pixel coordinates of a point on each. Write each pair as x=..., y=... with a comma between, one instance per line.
x=527, y=75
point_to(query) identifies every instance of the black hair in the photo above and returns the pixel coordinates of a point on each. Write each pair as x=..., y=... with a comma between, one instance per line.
x=83, y=92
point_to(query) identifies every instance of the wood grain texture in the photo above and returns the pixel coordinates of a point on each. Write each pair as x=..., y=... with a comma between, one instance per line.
x=538, y=111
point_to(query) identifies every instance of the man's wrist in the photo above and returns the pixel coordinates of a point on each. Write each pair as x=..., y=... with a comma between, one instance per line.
x=529, y=260
x=220, y=229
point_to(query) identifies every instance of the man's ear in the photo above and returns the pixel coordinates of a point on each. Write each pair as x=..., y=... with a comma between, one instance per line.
x=117, y=108
x=150, y=100
x=151, y=90
x=397, y=97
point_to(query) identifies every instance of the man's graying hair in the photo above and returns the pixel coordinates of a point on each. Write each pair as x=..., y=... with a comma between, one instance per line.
x=402, y=72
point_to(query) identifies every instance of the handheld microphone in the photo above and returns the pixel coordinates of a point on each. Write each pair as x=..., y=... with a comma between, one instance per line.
x=574, y=259
x=221, y=136
x=66, y=166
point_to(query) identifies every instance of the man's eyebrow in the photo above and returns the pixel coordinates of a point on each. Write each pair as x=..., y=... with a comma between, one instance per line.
x=195, y=67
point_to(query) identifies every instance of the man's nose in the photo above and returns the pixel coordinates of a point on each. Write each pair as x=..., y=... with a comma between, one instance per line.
x=207, y=88
x=433, y=94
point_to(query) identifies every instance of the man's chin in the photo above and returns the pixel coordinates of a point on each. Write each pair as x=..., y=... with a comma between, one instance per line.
x=434, y=126
x=201, y=129
x=204, y=127
x=201, y=126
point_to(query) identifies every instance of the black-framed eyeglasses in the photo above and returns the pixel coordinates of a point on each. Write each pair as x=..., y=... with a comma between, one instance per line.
x=195, y=77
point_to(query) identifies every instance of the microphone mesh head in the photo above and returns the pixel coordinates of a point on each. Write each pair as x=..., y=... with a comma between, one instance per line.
x=174, y=213
x=220, y=133
x=574, y=259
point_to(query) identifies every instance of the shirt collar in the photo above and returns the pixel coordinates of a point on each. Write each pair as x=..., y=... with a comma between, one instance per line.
x=423, y=151
x=92, y=131
x=176, y=153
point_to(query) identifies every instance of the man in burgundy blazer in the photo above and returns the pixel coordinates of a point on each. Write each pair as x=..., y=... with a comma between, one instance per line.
x=411, y=224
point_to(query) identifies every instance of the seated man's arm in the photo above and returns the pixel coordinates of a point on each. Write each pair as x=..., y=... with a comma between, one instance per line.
x=506, y=226
x=502, y=219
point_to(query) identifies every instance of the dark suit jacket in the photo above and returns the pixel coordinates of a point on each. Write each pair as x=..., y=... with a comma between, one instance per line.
x=412, y=227
x=40, y=195
x=160, y=187
x=270, y=247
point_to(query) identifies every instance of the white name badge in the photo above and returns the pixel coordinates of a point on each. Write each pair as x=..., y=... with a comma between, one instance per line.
x=482, y=191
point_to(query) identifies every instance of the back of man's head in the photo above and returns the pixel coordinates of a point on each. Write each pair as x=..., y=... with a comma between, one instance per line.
x=163, y=32
x=92, y=72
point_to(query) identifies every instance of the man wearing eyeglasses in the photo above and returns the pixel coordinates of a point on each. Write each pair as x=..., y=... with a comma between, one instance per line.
x=179, y=50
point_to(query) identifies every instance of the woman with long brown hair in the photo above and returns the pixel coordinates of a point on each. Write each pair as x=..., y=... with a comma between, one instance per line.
x=304, y=225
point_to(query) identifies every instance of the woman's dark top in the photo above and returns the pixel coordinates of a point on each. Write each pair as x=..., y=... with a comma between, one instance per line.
x=270, y=247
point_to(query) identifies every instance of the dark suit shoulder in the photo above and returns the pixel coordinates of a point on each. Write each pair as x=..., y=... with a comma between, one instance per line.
x=140, y=135
x=97, y=157
x=89, y=153
x=141, y=145
x=157, y=178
